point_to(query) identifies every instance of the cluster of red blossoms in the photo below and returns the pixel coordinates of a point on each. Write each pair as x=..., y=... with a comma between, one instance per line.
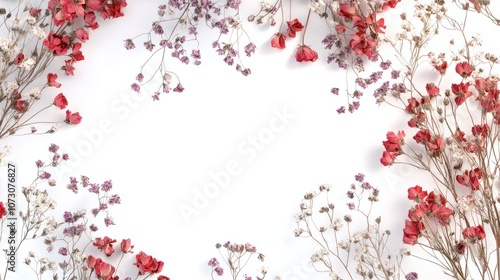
x=304, y=53
x=364, y=40
x=105, y=271
x=487, y=96
x=60, y=101
x=392, y=147
x=428, y=206
x=486, y=89
x=66, y=12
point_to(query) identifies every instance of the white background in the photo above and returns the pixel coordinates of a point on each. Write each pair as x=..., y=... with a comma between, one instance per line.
x=160, y=154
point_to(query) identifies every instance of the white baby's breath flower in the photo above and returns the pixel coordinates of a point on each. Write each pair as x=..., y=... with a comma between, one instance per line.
x=465, y=203
x=9, y=87
x=39, y=32
x=4, y=44
x=455, y=151
x=34, y=93
x=337, y=224
x=30, y=20
x=334, y=276
x=334, y=5
x=4, y=154
x=55, y=127
x=236, y=22
x=356, y=238
x=27, y=64
x=299, y=217
x=265, y=6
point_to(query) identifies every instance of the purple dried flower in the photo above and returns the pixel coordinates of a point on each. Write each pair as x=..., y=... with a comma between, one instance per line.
x=196, y=54
x=250, y=248
x=395, y=74
x=213, y=262
x=65, y=156
x=63, y=251
x=94, y=188
x=108, y=222
x=360, y=177
x=412, y=276
x=157, y=29
x=44, y=175
x=250, y=49
x=385, y=64
x=135, y=87
x=366, y=186
x=73, y=187
x=129, y=44
x=179, y=88
x=68, y=217
x=107, y=186
x=219, y=271
x=351, y=206
x=39, y=163
x=192, y=30
x=149, y=45
x=115, y=199
x=53, y=148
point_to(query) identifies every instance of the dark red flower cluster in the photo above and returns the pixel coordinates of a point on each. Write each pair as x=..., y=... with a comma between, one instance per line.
x=3, y=211
x=476, y=233
x=392, y=147
x=433, y=144
x=105, y=244
x=428, y=206
x=147, y=264
x=470, y=178
x=364, y=40
x=105, y=271
x=66, y=12
x=304, y=53
x=476, y=143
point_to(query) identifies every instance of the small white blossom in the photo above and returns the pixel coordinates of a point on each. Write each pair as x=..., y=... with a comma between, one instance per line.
x=39, y=32
x=337, y=224
x=334, y=276
x=4, y=154
x=455, y=151
x=55, y=127
x=299, y=217
x=9, y=87
x=30, y=20
x=317, y=5
x=34, y=93
x=78, y=256
x=27, y=64
x=465, y=203
x=236, y=22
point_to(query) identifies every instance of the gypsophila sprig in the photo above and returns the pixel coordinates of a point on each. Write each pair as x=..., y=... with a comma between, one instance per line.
x=69, y=237
x=33, y=39
x=352, y=28
x=235, y=257
x=175, y=33
x=341, y=242
x=453, y=120
x=353, y=36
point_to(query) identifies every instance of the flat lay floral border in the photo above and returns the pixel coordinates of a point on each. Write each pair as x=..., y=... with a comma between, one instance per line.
x=450, y=97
